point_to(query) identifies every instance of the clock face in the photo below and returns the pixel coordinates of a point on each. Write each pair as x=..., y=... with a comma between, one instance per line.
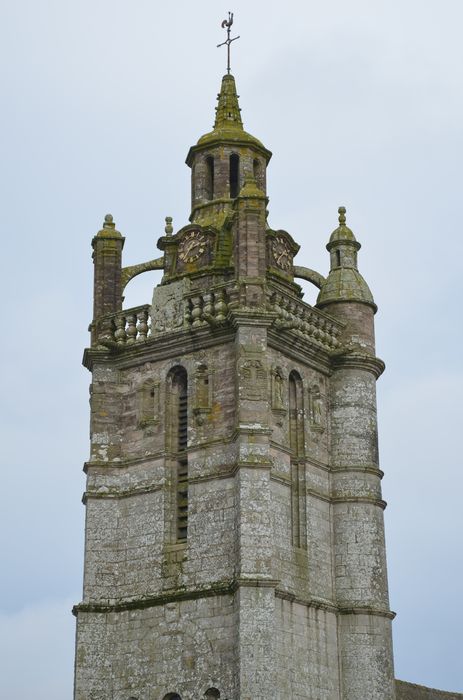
x=282, y=253
x=192, y=246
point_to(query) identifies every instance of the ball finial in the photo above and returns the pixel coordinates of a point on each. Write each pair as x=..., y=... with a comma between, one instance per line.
x=169, y=229
x=108, y=221
x=342, y=215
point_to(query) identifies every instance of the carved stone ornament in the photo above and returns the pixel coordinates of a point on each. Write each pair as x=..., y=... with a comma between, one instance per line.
x=253, y=380
x=316, y=409
x=149, y=404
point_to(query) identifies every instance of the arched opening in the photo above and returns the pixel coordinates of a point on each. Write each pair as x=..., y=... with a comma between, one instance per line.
x=209, y=178
x=172, y=696
x=296, y=444
x=212, y=694
x=178, y=439
x=234, y=175
x=338, y=258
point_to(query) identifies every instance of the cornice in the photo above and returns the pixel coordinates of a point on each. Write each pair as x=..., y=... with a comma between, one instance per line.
x=159, y=347
x=292, y=345
x=366, y=610
x=371, y=500
x=355, y=360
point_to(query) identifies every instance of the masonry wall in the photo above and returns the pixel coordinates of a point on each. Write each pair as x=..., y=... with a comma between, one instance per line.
x=410, y=691
x=185, y=646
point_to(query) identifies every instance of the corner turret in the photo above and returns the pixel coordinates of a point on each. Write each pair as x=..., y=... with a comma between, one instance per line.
x=344, y=293
x=107, y=261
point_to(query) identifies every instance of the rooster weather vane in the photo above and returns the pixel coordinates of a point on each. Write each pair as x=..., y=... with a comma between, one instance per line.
x=227, y=23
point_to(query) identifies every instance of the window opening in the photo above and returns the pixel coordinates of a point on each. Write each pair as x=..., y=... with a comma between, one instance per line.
x=182, y=466
x=177, y=446
x=234, y=175
x=296, y=444
x=210, y=177
x=338, y=258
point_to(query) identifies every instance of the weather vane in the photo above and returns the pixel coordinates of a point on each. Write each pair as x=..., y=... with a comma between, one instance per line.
x=228, y=23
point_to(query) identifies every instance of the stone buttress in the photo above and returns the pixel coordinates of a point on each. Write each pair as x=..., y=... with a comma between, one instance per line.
x=234, y=541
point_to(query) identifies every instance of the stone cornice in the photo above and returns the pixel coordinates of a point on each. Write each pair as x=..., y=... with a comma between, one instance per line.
x=362, y=468
x=355, y=360
x=162, y=347
x=126, y=493
x=292, y=345
x=360, y=499
x=366, y=610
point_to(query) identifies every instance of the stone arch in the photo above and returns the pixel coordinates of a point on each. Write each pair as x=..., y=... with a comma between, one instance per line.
x=212, y=694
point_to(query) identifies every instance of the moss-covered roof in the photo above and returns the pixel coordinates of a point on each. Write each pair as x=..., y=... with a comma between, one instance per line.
x=228, y=125
x=345, y=284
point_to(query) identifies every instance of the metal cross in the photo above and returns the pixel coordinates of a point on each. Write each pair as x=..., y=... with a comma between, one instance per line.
x=228, y=23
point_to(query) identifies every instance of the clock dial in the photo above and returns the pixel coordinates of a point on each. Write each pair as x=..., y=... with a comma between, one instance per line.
x=282, y=253
x=192, y=246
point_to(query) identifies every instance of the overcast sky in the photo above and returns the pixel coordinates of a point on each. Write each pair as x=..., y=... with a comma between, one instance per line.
x=362, y=106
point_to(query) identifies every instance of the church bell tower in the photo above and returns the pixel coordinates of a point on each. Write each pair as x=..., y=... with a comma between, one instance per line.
x=234, y=543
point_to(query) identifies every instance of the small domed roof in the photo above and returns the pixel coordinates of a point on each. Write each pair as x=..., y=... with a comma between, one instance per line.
x=343, y=232
x=345, y=284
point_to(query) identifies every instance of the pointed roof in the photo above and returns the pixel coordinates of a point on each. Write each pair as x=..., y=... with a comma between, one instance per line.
x=228, y=112
x=228, y=125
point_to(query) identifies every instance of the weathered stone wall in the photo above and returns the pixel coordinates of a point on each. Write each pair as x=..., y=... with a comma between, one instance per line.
x=184, y=646
x=410, y=691
x=306, y=652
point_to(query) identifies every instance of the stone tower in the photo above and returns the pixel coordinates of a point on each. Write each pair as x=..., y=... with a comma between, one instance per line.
x=234, y=521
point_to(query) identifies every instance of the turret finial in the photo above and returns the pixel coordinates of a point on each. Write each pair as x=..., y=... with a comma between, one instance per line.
x=228, y=23
x=342, y=215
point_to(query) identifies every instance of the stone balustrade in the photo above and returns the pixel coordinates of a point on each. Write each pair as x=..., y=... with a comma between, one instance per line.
x=206, y=308
x=305, y=321
x=125, y=327
x=211, y=308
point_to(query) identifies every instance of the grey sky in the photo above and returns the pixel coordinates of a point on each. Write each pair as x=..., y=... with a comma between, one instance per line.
x=362, y=105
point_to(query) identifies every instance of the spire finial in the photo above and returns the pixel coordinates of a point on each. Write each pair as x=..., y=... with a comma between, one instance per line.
x=342, y=215
x=168, y=227
x=227, y=23
x=109, y=221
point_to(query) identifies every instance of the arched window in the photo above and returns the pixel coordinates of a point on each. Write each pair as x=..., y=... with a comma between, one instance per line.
x=296, y=444
x=209, y=177
x=212, y=694
x=234, y=175
x=178, y=442
x=172, y=696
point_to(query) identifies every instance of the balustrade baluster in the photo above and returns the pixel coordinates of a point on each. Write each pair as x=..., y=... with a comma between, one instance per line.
x=220, y=305
x=142, y=325
x=131, y=330
x=208, y=309
x=196, y=311
x=120, y=334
